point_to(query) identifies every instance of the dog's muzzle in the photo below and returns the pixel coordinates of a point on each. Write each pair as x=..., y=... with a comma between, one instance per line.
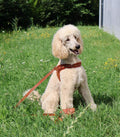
x=76, y=50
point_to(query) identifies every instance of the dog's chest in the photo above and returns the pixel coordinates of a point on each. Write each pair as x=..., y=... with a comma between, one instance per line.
x=79, y=78
x=72, y=75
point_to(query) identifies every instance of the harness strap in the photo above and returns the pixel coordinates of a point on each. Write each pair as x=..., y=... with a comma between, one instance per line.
x=63, y=66
x=58, y=69
x=68, y=111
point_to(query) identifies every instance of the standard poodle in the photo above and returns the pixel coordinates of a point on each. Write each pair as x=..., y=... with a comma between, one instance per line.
x=66, y=45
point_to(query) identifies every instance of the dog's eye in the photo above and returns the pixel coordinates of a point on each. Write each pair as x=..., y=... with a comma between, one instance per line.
x=67, y=39
x=75, y=37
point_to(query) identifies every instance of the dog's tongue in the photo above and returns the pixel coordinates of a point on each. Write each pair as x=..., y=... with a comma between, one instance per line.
x=76, y=52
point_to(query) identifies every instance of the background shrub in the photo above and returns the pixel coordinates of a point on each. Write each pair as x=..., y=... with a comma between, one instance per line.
x=24, y=13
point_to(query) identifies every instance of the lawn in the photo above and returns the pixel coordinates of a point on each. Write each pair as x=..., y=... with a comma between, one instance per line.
x=25, y=57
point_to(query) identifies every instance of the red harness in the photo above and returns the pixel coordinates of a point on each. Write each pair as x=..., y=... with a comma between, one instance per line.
x=63, y=66
x=58, y=69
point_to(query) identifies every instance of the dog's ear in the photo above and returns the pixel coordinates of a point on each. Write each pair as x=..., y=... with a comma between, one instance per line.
x=81, y=43
x=58, y=49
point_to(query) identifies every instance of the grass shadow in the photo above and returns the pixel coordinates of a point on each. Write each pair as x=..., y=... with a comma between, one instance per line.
x=78, y=100
x=99, y=99
x=104, y=98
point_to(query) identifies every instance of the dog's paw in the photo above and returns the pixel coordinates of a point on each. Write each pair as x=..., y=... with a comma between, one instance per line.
x=93, y=107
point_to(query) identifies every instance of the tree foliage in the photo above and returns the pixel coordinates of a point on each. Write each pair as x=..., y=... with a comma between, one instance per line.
x=47, y=12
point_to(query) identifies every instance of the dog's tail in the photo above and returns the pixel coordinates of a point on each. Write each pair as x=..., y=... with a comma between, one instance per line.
x=33, y=96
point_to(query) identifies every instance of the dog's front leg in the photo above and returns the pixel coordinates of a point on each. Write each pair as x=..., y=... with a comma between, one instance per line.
x=66, y=96
x=86, y=94
x=50, y=97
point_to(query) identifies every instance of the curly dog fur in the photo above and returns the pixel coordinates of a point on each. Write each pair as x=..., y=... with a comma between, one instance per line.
x=66, y=45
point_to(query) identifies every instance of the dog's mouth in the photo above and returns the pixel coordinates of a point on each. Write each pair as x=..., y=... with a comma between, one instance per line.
x=76, y=52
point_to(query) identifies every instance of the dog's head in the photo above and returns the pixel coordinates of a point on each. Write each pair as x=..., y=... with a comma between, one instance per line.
x=67, y=41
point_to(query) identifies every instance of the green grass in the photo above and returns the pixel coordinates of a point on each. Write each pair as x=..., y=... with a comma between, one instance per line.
x=25, y=57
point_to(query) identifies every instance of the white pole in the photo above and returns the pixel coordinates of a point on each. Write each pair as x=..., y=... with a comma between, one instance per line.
x=99, y=13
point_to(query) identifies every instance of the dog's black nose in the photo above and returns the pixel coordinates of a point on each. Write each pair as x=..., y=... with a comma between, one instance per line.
x=78, y=46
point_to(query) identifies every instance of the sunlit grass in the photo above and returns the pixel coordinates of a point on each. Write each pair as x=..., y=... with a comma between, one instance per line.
x=25, y=57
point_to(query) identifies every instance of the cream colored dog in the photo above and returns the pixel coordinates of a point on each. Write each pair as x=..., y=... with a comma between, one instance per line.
x=66, y=45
